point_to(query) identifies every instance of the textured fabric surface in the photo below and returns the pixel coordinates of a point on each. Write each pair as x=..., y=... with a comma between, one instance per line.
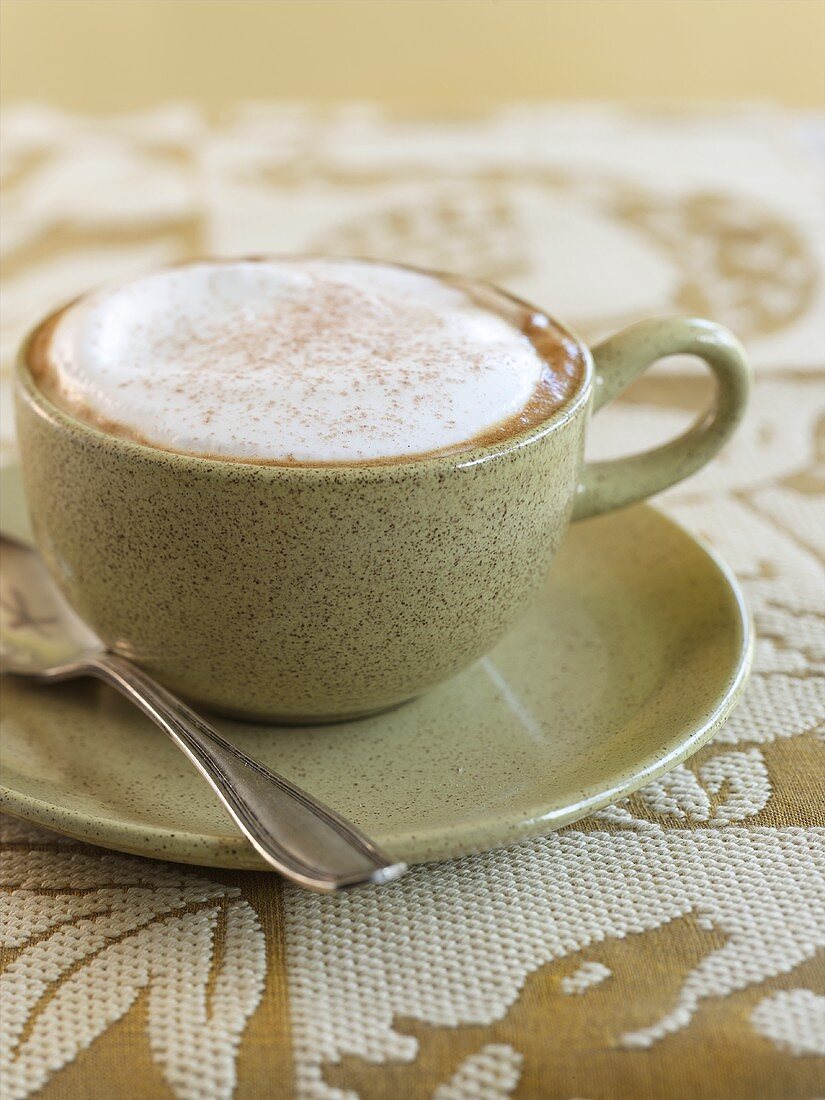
x=668, y=947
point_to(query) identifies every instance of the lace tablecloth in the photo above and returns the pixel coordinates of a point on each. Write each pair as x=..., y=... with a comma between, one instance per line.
x=663, y=949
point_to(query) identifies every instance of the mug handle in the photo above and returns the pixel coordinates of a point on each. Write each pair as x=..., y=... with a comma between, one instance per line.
x=618, y=360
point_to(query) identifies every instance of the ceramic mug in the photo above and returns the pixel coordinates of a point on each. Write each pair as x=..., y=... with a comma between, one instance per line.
x=313, y=594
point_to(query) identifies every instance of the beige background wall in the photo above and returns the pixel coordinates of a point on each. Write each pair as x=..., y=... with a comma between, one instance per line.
x=108, y=55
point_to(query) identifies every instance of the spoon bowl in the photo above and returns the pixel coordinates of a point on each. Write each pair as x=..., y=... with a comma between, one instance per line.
x=41, y=637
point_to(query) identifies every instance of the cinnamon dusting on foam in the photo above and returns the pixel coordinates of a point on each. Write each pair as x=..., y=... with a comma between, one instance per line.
x=305, y=362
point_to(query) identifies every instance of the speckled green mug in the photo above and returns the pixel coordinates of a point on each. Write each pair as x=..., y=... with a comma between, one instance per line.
x=312, y=594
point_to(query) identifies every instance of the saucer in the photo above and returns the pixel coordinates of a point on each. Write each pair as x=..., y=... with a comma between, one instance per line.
x=633, y=653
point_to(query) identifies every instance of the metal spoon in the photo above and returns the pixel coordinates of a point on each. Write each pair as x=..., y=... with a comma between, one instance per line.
x=43, y=640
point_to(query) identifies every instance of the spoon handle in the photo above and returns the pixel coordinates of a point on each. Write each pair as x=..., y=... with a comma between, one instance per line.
x=303, y=839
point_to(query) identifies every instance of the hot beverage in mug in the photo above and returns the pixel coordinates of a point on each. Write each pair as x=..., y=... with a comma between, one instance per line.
x=307, y=489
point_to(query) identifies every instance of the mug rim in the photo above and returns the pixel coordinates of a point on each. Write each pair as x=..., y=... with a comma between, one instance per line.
x=459, y=459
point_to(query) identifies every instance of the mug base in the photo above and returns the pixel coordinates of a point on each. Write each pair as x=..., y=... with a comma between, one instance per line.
x=279, y=718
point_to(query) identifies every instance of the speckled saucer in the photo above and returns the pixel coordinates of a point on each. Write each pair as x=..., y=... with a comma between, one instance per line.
x=634, y=652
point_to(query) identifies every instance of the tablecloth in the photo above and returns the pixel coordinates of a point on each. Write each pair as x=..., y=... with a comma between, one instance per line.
x=664, y=948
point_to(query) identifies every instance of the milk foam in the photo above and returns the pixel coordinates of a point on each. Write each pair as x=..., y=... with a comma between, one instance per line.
x=291, y=360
